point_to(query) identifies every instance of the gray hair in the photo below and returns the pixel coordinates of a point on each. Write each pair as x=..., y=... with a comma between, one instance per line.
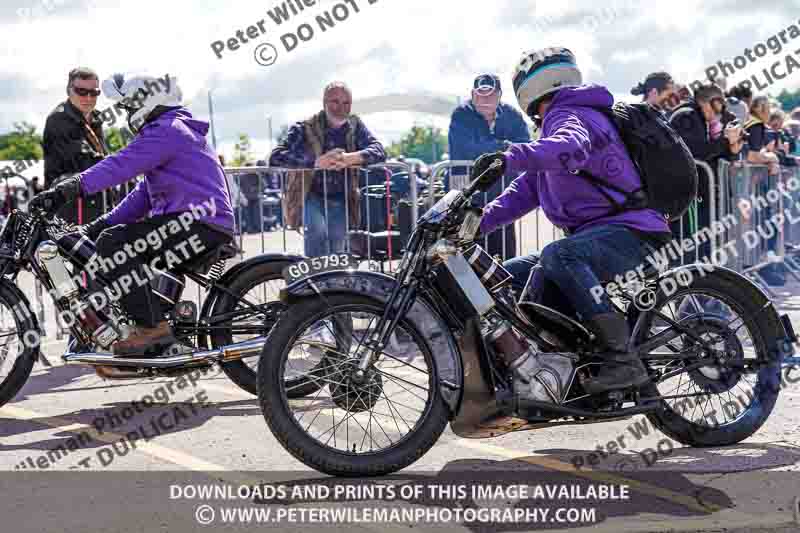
x=337, y=85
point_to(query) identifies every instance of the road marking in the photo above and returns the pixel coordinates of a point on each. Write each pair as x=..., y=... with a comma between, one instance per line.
x=594, y=475
x=157, y=451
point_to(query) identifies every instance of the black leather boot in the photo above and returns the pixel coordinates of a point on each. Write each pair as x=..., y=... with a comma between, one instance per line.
x=621, y=369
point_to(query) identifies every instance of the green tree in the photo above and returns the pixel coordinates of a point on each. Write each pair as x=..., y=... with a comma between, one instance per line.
x=23, y=143
x=118, y=138
x=422, y=142
x=789, y=100
x=241, y=151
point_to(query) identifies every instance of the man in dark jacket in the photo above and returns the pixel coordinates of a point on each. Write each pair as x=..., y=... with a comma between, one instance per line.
x=483, y=125
x=73, y=141
x=707, y=128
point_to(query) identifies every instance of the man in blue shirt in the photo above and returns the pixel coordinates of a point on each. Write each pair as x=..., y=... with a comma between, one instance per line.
x=485, y=125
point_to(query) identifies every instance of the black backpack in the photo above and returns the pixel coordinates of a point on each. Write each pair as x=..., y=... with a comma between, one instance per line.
x=664, y=162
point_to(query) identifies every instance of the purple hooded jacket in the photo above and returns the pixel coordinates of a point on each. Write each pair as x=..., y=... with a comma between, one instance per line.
x=181, y=172
x=574, y=137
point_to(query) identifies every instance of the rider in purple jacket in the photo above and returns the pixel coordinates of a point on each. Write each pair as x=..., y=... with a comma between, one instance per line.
x=180, y=210
x=600, y=245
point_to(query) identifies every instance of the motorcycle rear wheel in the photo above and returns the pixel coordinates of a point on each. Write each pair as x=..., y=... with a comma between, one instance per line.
x=19, y=338
x=736, y=326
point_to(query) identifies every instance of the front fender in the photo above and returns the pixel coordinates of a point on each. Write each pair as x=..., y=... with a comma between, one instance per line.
x=768, y=316
x=431, y=325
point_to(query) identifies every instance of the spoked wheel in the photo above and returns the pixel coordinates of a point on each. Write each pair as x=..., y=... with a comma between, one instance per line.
x=357, y=423
x=256, y=309
x=18, y=344
x=729, y=398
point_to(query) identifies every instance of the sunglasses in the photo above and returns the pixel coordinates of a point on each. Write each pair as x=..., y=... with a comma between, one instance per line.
x=80, y=91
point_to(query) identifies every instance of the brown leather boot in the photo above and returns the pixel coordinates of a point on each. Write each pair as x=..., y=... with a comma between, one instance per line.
x=142, y=338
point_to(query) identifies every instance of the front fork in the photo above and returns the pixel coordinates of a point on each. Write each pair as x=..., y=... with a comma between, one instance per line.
x=397, y=306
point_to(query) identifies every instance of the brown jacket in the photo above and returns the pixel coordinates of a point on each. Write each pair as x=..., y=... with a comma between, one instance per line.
x=298, y=182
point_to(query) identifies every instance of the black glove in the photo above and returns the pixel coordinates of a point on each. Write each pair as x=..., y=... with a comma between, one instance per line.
x=92, y=230
x=483, y=163
x=52, y=199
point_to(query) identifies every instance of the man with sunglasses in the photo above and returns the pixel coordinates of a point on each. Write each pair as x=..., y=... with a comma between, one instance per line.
x=485, y=125
x=73, y=141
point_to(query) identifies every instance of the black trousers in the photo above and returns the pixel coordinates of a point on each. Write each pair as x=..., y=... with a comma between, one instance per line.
x=130, y=255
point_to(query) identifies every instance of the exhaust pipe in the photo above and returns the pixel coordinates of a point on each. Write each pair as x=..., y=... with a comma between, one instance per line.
x=229, y=352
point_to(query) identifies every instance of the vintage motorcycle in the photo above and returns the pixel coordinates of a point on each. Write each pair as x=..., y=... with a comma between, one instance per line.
x=388, y=361
x=229, y=329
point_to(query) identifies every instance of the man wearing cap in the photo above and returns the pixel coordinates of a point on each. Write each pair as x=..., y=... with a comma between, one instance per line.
x=484, y=125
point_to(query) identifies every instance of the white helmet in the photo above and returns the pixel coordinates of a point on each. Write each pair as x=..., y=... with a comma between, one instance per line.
x=140, y=94
x=541, y=72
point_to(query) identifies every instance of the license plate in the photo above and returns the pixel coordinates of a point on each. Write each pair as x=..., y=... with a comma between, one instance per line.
x=315, y=265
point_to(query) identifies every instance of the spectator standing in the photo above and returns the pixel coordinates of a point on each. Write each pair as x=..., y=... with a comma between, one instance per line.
x=703, y=123
x=762, y=146
x=792, y=128
x=333, y=142
x=483, y=125
x=251, y=188
x=658, y=90
x=786, y=144
x=739, y=99
x=73, y=141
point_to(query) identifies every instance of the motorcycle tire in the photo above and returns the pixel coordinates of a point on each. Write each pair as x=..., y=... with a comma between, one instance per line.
x=303, y=446
x=23, y=365
x=765, y=393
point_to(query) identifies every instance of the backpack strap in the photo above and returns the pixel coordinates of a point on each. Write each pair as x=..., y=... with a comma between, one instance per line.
x=634, y=200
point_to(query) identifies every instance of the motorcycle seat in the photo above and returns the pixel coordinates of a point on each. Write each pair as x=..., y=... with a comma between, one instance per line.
x=203, y=262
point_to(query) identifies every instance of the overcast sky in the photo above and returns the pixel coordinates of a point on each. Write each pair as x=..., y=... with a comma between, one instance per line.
x=422, y=48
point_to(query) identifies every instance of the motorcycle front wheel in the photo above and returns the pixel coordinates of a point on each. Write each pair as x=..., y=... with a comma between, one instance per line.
x=354, y=425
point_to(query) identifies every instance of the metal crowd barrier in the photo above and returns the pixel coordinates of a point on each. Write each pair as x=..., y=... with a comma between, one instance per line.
x=388, y=209
x=531, y=233
x=766, y=215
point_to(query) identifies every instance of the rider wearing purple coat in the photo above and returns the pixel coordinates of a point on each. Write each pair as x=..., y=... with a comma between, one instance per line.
x=179, y=210
x=600, y=245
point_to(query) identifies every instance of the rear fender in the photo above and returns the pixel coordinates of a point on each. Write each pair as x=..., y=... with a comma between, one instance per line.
x=780, y=340
x=430, y=324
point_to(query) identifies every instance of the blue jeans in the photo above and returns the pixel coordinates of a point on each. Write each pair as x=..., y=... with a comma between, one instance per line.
x=324, y=235
x=574, y=265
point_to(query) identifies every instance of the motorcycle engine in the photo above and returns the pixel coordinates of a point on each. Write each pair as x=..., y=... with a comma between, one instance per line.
x=540, y=376
x=93, y=321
